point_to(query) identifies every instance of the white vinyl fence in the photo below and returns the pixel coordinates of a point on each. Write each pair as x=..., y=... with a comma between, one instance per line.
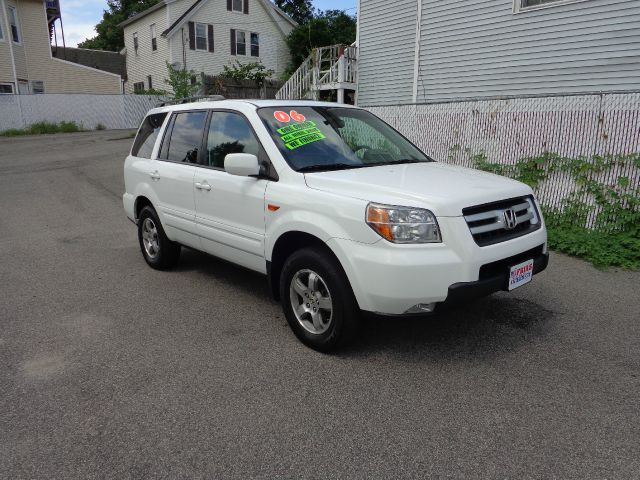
x=507, y=130
x=89, y=111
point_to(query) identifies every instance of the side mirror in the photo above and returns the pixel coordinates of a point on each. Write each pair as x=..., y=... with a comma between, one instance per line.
x=242, y=164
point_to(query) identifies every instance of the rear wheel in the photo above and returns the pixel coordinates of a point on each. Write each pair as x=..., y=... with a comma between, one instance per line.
x=317, y=300
x=158, y=251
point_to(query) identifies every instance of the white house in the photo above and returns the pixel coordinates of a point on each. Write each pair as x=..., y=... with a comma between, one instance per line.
x=203, y=36
x=415, y=51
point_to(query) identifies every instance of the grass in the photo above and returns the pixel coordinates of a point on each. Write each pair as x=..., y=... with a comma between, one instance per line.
x=42, y=128
x=602, y=248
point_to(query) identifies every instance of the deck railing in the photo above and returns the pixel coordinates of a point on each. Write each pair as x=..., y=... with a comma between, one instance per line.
x=326, y=68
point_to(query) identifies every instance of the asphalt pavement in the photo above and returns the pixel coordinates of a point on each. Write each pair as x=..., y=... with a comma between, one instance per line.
x=109, y=369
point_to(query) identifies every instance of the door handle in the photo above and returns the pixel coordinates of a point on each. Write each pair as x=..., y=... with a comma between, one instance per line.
x=203, y=186
x=155, y=175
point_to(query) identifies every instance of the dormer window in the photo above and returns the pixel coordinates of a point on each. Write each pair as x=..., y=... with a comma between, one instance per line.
x=241, y=6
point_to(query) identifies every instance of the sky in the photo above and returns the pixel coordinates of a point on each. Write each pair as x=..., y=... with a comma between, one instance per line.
x=80, y=16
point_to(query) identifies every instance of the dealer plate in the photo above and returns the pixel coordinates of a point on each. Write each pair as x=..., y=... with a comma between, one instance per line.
x=520, y=274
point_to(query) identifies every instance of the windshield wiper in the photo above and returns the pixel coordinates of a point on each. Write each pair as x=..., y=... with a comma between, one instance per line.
x=398, y=162
x=329, y=167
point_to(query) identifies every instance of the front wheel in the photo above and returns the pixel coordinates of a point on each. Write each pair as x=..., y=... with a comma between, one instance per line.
x=317, y=300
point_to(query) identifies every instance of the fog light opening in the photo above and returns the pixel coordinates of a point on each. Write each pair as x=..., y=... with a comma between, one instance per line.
x=422, y=308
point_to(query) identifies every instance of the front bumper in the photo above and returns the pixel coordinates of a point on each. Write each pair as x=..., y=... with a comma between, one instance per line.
x=496, y=279
x=391, y=279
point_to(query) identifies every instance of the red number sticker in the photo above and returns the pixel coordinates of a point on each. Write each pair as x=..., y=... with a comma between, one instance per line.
x=298, y=117
x=281, y=116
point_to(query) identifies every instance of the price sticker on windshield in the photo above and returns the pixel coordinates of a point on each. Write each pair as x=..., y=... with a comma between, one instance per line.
x=299, y=134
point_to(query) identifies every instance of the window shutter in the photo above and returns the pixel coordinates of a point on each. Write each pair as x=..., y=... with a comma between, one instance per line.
x=246, y=7
x=229, y=5
x=210, y=35
x=233, y=42
x=192, y=36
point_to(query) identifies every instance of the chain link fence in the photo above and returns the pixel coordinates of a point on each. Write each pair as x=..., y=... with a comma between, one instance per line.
x=594, y=128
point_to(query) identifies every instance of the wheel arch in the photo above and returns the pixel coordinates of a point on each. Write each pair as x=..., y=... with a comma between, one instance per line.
x=141, y=202
x=285, y=245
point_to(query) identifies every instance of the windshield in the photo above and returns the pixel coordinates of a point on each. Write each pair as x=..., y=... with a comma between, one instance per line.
x=333, y=138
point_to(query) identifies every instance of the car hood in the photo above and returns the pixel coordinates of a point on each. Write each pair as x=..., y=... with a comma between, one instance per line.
x=444, y=189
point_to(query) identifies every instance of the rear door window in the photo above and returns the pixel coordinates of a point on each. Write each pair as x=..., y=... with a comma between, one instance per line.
x=184, y=140
x=147, y=135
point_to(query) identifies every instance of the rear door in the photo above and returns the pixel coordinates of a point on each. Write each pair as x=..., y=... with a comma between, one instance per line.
x=230, y=209
x=173, y=174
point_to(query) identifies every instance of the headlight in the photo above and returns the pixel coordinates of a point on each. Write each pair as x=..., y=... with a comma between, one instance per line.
x=403, y=224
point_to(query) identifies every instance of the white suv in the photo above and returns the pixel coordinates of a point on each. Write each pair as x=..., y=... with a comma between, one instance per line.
x=341, y=213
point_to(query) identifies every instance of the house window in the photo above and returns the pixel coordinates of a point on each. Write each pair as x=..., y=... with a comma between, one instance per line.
x=138, y=87
x=13, y=24
x=6, y=88
x=37, y=87
x=237, y=5
x=525, y=4
x=241, y=43
x=150, y=82
x=154, y=40
x=135, y=42
x=1, y=33
x=201, y=36
x=532, y=3
x=255, y=45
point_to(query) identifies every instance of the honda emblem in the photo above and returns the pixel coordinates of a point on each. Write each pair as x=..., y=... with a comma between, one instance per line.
x=510, y=219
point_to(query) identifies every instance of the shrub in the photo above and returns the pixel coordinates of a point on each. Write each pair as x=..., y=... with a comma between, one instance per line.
x=183, y=83
x=70, y=127
x=254, y=71
x=42, y=128
x=100, y=126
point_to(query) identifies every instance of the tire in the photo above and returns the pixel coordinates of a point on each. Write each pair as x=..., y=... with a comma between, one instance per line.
x=158, y=251
x=313, y=279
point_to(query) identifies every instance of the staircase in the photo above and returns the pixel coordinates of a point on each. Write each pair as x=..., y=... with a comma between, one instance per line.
x=326, y=69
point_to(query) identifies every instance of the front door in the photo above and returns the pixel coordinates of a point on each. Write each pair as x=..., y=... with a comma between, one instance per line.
x=173, y=174
x=230, y=209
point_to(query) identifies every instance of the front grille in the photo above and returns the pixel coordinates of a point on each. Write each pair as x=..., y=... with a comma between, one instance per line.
x=489, y=224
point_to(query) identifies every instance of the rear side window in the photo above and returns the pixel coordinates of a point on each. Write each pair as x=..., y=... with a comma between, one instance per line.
x=147, y=135
x=185, y=141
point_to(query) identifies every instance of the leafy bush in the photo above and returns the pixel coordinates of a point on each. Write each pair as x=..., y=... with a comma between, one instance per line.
x=100, y=126
x=183, y=82
x=254, y=71
x=613, y=207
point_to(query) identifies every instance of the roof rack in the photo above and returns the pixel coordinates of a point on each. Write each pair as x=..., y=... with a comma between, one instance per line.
x=205, y=98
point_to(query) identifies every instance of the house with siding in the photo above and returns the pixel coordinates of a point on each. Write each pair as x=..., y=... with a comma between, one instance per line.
x=203, y=36
x=417, y=51
x=27, y=65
